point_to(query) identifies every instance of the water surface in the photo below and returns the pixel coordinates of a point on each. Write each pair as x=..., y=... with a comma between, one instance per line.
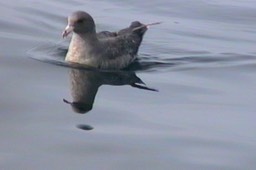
x=201, y=59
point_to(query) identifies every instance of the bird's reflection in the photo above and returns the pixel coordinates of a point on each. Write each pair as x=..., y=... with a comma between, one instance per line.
x=85, y=85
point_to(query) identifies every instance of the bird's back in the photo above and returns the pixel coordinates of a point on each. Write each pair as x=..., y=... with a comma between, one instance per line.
x=120, y=49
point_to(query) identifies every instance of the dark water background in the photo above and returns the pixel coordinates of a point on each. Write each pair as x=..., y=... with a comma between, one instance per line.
x=202, y=59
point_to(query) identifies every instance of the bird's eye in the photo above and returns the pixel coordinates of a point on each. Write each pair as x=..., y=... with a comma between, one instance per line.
x=80, y=21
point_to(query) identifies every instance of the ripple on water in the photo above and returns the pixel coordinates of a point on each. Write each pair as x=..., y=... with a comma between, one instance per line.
x=54, y=53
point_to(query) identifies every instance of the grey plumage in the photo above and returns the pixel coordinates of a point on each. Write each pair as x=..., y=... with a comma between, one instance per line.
x=106, y=50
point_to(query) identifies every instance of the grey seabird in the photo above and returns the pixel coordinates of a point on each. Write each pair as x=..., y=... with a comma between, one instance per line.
x=103, y=50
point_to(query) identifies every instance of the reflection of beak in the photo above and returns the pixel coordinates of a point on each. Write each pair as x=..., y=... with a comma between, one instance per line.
x=67, y=31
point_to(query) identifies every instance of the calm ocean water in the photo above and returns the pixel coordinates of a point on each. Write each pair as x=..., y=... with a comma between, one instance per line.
x=201, y=59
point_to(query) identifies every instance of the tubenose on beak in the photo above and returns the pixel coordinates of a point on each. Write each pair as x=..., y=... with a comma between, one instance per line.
x=67, y=31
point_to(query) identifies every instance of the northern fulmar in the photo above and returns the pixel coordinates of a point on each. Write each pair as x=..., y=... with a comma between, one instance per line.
x=103, y=50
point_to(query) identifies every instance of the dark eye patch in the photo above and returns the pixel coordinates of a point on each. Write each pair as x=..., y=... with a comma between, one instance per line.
x=80, y=21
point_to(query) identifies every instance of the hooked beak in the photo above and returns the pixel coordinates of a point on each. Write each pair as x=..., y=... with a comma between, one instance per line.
x=67, y=31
